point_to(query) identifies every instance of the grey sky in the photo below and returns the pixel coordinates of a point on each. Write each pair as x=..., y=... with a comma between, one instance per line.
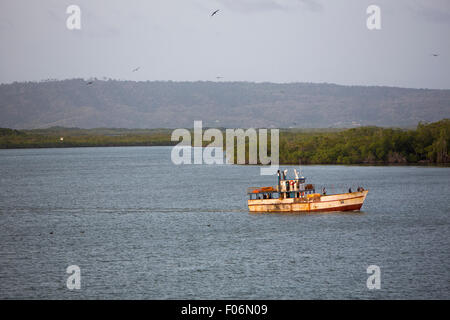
x=248, y=40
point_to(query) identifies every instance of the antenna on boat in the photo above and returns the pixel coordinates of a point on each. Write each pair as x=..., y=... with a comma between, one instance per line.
x=296, y=174
x=300, y=166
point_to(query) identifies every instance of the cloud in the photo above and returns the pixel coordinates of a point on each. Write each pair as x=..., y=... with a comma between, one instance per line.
x=270, y=5
x=435, y=11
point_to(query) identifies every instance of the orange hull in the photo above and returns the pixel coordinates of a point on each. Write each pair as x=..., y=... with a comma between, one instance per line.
x=326, y=203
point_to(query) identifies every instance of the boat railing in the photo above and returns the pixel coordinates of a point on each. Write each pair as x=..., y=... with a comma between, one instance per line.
x=262, y=189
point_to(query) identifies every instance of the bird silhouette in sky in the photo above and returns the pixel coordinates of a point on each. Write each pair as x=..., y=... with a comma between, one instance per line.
x=134, y=70
x=219, y=77
x=434, y=54
x=215, y=12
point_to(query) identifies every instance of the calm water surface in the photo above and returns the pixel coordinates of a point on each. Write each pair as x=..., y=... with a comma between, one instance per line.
x=140, y=227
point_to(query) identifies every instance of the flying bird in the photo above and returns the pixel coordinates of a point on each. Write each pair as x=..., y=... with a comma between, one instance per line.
x=434, y=54
x=215, y=12
x=219, y=77
x=134, y=70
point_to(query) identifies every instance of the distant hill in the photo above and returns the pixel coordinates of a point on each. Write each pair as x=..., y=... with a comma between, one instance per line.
x=128, y=104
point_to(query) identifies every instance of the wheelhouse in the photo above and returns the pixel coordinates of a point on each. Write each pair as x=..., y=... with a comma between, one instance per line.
x=286, y=188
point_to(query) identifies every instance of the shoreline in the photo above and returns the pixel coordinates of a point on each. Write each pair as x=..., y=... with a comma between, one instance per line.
x=427, y=145
x=361, y=164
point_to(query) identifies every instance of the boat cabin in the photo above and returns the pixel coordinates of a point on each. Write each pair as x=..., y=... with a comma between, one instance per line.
x=286, y=188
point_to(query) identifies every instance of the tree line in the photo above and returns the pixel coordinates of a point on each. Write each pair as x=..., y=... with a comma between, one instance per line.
x=58, y=137
x=427, y=143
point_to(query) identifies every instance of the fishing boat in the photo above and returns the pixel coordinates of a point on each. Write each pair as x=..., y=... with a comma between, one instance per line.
x=295, y=195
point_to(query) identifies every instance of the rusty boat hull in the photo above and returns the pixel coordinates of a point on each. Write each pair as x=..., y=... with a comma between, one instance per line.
x=324, y=203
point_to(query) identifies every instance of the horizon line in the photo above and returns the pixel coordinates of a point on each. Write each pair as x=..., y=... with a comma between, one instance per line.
x=218, y=82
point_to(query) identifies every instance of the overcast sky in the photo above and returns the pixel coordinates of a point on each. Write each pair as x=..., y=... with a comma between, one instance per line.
x=247, y=40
